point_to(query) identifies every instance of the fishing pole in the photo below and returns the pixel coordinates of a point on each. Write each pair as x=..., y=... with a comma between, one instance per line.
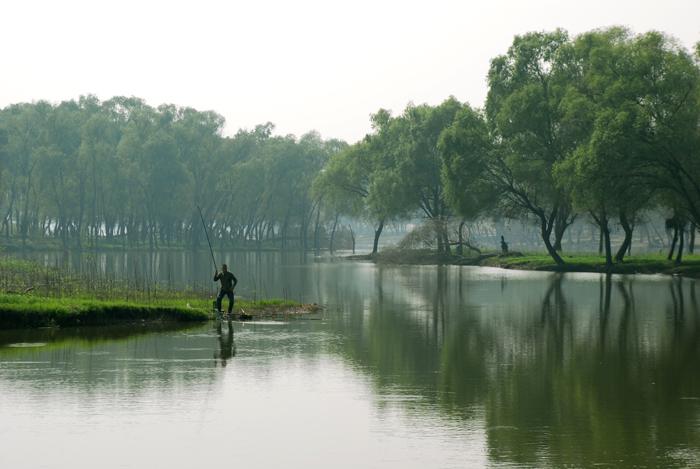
x=206, y=233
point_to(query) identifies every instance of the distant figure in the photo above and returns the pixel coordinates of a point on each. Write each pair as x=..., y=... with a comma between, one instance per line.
x=504, y=246
x=228, y=283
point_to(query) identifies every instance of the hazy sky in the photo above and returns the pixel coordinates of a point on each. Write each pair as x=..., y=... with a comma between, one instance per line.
x=309, y=64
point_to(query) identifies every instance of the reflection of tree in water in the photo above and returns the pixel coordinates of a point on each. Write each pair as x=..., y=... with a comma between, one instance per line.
x=607, y=407
x=571, y=383
x=555, y=319
x=227, y=347
x=613, y=404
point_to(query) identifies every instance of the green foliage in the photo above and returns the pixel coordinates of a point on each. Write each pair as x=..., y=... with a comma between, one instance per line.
x=466, y=147
x=604, y=124
x=630, y=109
x=123, y=171
x=524, y=111
x=344, y=181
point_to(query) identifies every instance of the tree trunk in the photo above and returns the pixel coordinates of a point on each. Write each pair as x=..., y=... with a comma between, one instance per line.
x=603, y=224
x=606, y=240
x=7, y=220
x=317, y=231
x=445, y=238
x=335, y=225
x=352, y=237
x=546, y=232
x=460, y=248
x=302, y=234
x=283, y=231
x=691, y=241
x=377, y=233
x=627, y=242
x=679, y=257
x=558, y=235
x=673, y=244
x=24, y=220
x=561, y=223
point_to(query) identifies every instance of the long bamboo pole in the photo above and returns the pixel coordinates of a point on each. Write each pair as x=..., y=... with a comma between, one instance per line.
x=207, y=235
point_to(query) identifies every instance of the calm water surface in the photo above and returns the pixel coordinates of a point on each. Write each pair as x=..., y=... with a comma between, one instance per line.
x=409, y=367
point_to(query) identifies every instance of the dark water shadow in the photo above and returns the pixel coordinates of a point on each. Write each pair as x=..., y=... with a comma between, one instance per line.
x=90, y=335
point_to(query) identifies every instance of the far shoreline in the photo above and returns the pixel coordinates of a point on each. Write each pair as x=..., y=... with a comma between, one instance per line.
x=650, y=264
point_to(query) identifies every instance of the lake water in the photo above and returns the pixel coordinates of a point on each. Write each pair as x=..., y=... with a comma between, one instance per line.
x=410, y=366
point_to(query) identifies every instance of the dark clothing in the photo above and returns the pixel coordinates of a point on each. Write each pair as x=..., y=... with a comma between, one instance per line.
x=221, y=296
x=228, y=281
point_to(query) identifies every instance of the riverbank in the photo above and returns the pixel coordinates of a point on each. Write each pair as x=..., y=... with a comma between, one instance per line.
x=27, y=311
x=642, y=264
x=19, y=311
x=34, y=296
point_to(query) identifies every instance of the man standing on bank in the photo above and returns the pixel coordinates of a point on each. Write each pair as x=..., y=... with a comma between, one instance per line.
x=228, y=283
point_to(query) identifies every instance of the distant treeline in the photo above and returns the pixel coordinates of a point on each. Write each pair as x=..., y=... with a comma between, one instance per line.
x=121, y=171
x=603, y=126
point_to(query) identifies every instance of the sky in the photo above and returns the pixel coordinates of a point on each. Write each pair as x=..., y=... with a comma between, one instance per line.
x=304, y=65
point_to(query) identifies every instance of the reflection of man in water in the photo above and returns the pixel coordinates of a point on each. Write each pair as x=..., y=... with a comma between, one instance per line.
x=227, y=348
x=228, y=283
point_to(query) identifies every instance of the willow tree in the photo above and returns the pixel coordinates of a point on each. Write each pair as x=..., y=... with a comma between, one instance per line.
x=198, y=138
x=603, y=116
x=360, y=181
x=413, y=173
x=343, y=184
x=666, y=85
x=466, y=147
x=526, y=86
x=634, y=101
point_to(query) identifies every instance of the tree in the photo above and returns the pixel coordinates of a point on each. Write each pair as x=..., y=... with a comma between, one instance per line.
x=342, y=183
x=600, y=113
x=198, y=138
x=523, y=109
x=667, y=89
x=413, y=177
x=360, y=181
x=466, y=146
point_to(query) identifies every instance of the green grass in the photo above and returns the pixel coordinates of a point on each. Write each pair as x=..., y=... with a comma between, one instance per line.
x=35, y=296
x=30, y=311
x=579, y=262
x=21, y=311
x=646, y=263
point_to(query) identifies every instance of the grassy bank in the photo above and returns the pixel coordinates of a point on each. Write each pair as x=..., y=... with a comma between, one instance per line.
x=35, y=296
x=642, y=264
x=27, y=311
x=638, y=264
